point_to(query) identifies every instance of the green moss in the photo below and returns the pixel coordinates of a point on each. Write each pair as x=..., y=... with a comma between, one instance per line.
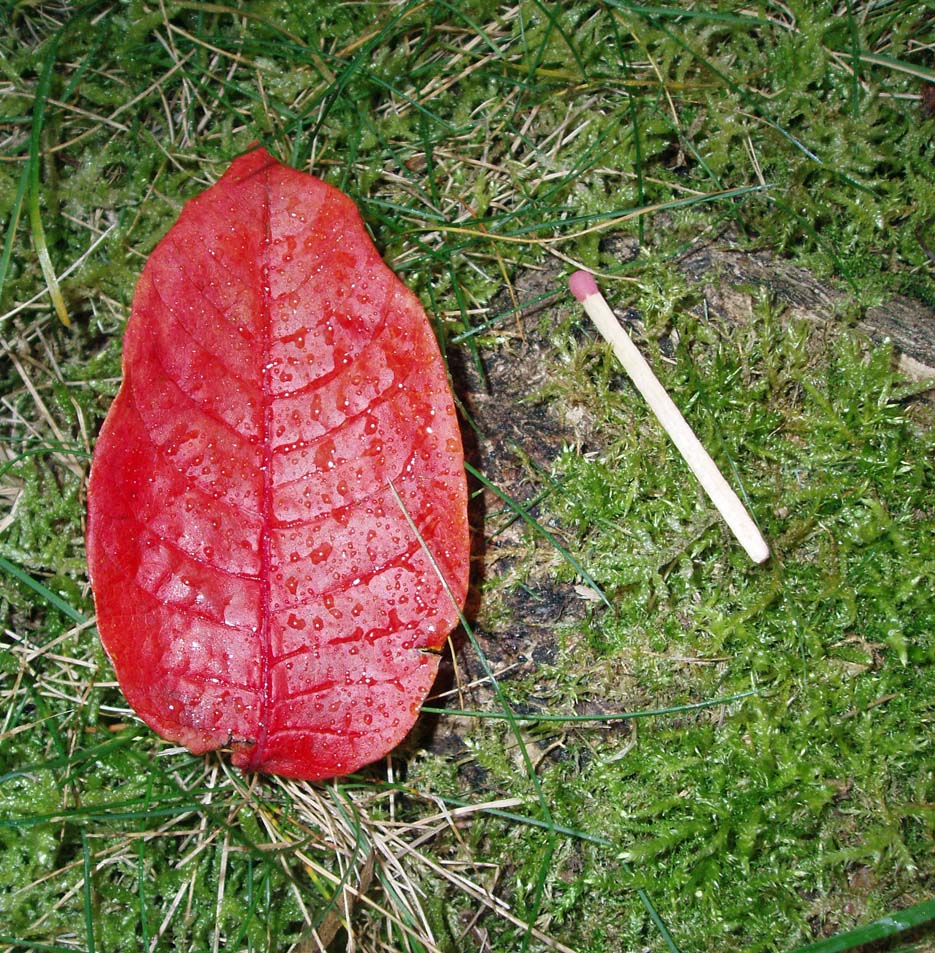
x=752, y=809
x=48, y=515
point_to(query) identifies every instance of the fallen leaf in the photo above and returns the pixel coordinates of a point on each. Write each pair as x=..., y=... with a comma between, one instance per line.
x=284, y=414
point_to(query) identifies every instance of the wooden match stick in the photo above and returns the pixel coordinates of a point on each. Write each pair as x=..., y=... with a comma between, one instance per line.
x=584, y=288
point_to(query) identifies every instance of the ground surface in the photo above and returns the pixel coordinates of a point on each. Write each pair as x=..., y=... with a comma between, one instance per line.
x=640, y=740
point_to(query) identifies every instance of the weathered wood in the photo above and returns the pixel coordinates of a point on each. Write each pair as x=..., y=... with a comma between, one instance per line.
x=731, y=276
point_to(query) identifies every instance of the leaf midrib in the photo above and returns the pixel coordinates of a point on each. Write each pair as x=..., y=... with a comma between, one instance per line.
x=266, y=501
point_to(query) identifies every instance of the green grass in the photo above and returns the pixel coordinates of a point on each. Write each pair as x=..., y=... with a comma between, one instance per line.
x=771, y=785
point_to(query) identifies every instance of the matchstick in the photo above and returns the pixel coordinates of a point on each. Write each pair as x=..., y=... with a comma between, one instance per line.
x=584, y=288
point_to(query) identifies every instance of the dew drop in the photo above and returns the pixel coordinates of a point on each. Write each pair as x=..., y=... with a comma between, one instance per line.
x=324, y=456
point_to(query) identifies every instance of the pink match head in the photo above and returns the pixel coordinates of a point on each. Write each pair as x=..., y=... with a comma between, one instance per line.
x=582, y=285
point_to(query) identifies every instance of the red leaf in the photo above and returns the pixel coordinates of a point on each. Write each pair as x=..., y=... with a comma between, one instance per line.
x=257, y=582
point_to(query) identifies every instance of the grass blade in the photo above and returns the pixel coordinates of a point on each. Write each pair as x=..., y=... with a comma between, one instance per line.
x=35, y=215
x=13, y=225
x=531, y=521
x=86, y=891
x=882, y=929
x=42, y=591
x=608, y=717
